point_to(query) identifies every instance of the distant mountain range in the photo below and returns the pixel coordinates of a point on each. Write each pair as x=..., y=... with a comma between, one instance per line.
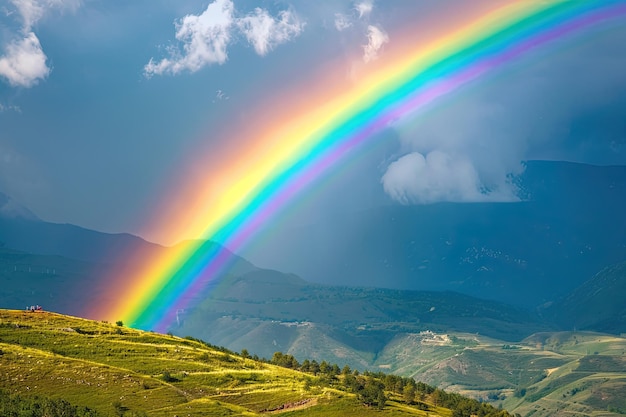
x=571, y=225
x=528, y=254
x=490, y=275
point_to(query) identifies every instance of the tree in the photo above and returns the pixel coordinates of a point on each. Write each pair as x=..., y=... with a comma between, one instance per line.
x=277, y=358
x=409, y=393
x=324, y=367
x=245, y=353
x=314, y=367
x=119, y=323
x=381, y=399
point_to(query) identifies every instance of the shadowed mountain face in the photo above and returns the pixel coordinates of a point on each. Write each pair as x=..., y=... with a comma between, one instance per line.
x=265, y=311
x=570, y=226
x=523, y=254
x=596, y=305
x=526, y=254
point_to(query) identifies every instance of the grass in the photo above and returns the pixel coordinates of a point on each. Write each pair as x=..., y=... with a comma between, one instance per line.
x=113, y=370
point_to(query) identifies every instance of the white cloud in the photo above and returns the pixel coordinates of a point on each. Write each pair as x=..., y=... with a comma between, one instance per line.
x=376, y=38
x=342, y=22
x=31, y=11
x=363, y=11
x=24, y=62
x=364, y=8
x=206, y=37
x=439, y=176
x=265, y=32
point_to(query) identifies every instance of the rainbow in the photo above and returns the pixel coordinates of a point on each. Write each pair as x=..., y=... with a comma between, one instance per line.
x=304, y=149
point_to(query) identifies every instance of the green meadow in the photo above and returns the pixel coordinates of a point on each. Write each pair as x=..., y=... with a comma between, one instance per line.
x=111, y=370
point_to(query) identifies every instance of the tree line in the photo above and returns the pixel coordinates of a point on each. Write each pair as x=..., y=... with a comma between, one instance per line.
x=376, y=388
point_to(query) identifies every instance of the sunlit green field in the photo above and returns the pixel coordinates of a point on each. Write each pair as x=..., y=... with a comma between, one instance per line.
x=119, y=371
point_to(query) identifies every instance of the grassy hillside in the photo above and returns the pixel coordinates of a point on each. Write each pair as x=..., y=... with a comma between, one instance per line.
x=115, y=371
x=547, y=374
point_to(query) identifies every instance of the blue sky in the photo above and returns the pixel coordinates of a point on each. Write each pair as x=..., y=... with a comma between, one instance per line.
x=101, y=101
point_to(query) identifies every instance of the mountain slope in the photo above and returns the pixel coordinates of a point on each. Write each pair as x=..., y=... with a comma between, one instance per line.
x=265, y=310
x=597, y=305
x=124, y=372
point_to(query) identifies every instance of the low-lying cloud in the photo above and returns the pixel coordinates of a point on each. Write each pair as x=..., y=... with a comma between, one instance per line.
x=422, y=179
x=206, y=37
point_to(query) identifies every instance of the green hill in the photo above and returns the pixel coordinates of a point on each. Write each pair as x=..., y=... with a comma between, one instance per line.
x=546, y=374
x=82, y=367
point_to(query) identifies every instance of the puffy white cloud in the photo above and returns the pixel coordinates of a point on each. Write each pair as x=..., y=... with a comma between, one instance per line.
x=265, y=32
x=206, y=37
x=439, y=176
x=24, y=62
x=376, y=38
x=364, y=8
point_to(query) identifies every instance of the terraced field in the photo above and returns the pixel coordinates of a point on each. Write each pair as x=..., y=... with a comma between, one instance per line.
x=117, y=371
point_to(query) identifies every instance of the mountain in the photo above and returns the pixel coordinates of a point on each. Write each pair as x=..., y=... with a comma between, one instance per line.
x=570, y=225
x=56, y=365
x=526, y=254
x=264, y=311
x=596, y=305
x=67, y=240
x=58, y=283
x=12, y=210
